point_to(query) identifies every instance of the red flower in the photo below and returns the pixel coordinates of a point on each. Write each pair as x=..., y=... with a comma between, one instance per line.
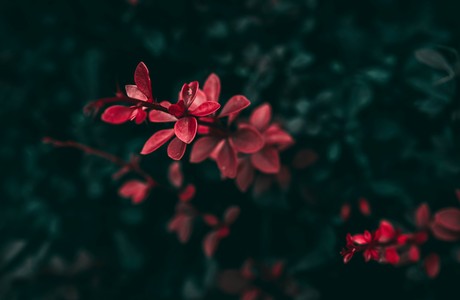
x=184, y=113
x=142, y=90
x=221, y=229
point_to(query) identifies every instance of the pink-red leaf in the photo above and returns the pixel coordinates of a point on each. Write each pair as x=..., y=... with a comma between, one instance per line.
x=261, y=116
x=176, y=149
x=158, y=116
x=133, y=92
x=188, y=92
x=136, y=190
x=211, y=220
x=175, y=174
x=448, y=218
x=187, y=193
x=414, y=253
x=185, y=229
x=274, y=135
x=422, y=216
x=266, y=160
x=231, y=214
x=186, y=128
x=235, y=104
x=210, y=243
x=432, y=265
x=444, y=234
x=140, y=115
x=391, y=255
x=247, y=140
x=226, y=160
x=387, y=231
x=157, y=140
x=245, y=175
x=142, y=79
x=202, y=148
x=364, y=207
x=205, y=109
x=117, y=114
x=212, y=87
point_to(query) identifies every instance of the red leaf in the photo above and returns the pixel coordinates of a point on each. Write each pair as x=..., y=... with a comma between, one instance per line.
x=200, y=98
x=223, y=231
x=140, y=115
x=432, y=265
x=186, y=128
x=158, y=116
x=448, y=218
x=202, y=148
x=212, y=87
x=231, y=214
x=284, y=177
x=252, y=294
x=210, y=243
x=211, y=220
x=117, y=114
x=205, y=109
x=247, y=140
x=175, y=174
x=261, y=116
x=274, y=135
x=136, y=190
x=226, y=160
x=422, y=216
x=188, y=93
x=188, y=193
x=266, y=160
x=133, y=92
x=277, y=269
x=414, y=253
x=246, y=269
x=361, y=239
x=157, y=140
x=176, y=149
x=245, y=175
x=391, y=255
x=185, y=229
x=178, y=109
x=175, y=222
x=235, y=104
x=387, y=231
x=345, y=211
x=142, y=79
x=364, y=207
x=444, y=234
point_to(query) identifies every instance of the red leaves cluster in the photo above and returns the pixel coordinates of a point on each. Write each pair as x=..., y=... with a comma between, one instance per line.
x=220, y=229
x=142, y=91
x=390, y=245
x=240, y=148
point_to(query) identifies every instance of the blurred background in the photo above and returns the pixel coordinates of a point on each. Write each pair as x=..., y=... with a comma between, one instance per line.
x=342, y=78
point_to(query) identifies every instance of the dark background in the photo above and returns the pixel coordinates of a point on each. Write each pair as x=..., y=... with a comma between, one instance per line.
x=341, y=75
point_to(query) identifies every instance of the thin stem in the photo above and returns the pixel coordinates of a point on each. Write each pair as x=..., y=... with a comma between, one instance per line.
x=132, y=165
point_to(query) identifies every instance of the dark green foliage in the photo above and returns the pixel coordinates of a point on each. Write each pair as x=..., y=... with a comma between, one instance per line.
x=341, y=75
